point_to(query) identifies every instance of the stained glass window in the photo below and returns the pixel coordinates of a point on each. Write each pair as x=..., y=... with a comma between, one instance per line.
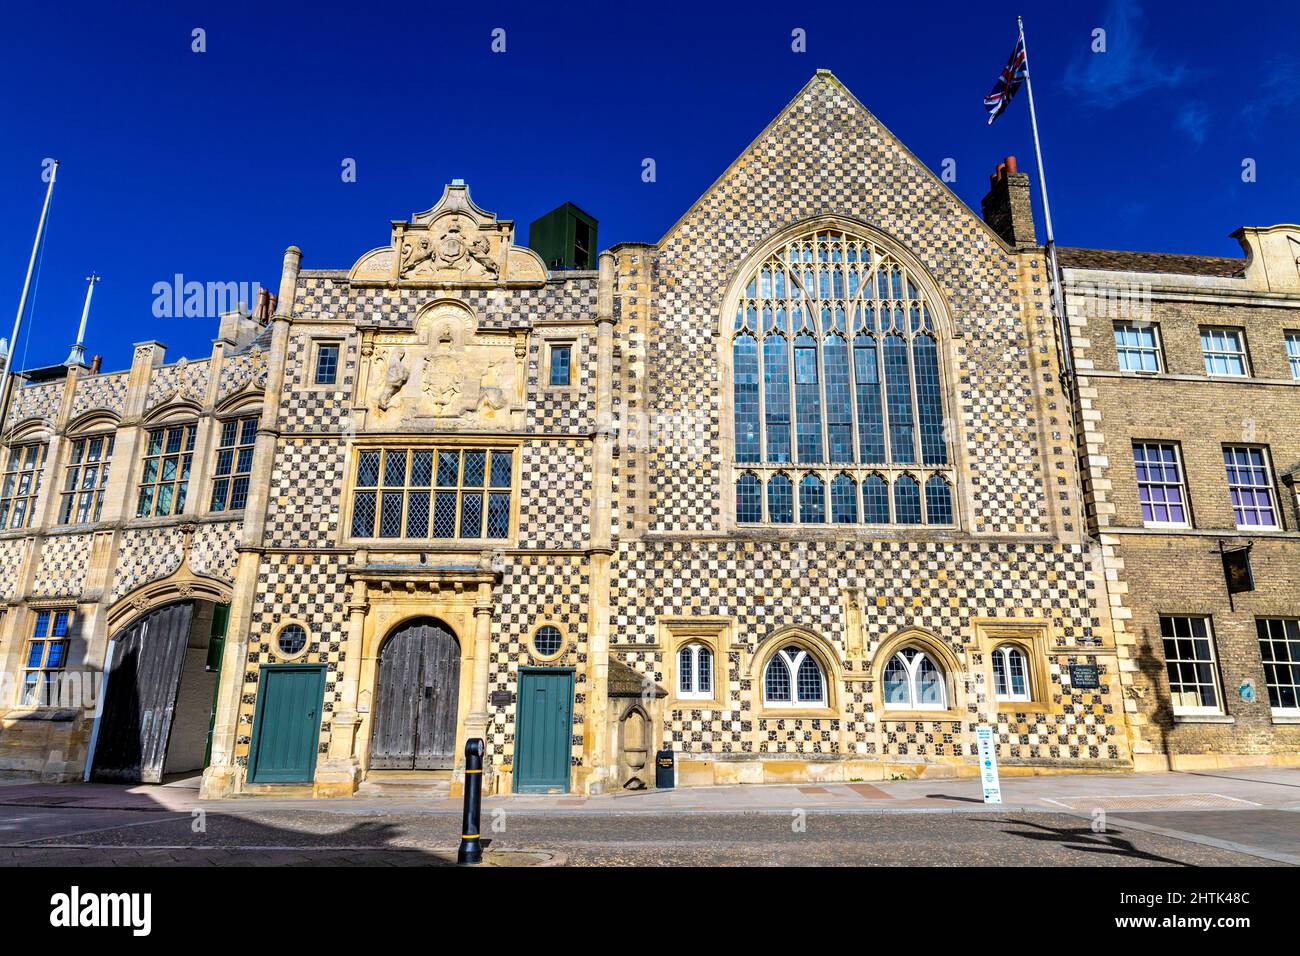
x=836, y=366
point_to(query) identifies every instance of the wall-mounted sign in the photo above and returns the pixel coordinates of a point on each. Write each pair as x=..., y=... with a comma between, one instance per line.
x=1247, y=690
x=988, y=764
x=1236, y=569
x=501, y=698
x=1085, y=676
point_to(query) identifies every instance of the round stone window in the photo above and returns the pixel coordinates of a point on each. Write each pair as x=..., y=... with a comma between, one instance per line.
x=548, y=641
x=292, y=640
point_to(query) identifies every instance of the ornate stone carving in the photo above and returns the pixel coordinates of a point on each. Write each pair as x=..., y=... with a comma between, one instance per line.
x=445, y=375
x=453, y=244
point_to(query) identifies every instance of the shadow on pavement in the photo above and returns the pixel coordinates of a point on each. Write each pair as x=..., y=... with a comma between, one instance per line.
x=1083, y=839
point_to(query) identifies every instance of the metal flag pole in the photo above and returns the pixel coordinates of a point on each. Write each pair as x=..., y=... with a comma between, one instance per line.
x=1058, y=303
x=78, y=354
x=7, y=381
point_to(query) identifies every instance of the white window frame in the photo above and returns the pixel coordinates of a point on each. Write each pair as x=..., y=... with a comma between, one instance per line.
x=1293, y=353
x=1184, y=710
x=1003, y=653
x=1207, y=354
x=1268, y=482
x=693, y=651
x=792, y=662
x=1155, y=350
x=913, y=669
x=1282, y=621
x=1182, y=484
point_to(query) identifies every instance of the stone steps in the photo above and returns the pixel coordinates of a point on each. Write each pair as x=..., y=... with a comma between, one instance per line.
x=410, y=785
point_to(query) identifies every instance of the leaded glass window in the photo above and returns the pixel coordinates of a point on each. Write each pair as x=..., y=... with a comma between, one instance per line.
x=86, y=476
x=234, y=464
x=793, y=678
x=1010, y=673
x=427, y=493
x=836, y=369
x=46, y=656
x=912, y=681
x=20, y=484
x=165, y=475
x=695, y=672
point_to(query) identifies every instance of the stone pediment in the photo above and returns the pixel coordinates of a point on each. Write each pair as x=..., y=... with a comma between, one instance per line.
x=454, y=244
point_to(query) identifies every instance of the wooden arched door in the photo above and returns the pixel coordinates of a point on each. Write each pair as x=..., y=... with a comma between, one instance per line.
x=415, y=705
x=144, y=675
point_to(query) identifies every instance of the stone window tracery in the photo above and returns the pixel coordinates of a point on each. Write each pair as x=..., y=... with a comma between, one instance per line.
x=837, y=390
x=793, y=678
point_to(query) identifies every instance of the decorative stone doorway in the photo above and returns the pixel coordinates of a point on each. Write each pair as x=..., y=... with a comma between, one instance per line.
x=414, y=722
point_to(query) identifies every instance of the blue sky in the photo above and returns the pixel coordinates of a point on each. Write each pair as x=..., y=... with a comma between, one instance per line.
x=209, y=164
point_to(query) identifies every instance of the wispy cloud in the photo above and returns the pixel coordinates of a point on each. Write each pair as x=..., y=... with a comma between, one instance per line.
x=1278, y=90
x=1128, y=68
x=1194, y=120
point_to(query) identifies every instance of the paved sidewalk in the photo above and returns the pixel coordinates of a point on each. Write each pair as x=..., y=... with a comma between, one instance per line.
x=1239, y=789
x=1234, y=818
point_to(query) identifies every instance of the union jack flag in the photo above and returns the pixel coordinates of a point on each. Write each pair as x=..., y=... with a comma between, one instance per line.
x=1010, y=80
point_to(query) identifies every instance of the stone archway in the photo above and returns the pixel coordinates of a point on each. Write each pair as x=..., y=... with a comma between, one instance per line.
x=417, y=692
x=158, y=695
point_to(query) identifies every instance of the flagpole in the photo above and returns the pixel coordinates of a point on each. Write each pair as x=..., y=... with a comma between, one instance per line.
x=7, y=380
x=1058, y=304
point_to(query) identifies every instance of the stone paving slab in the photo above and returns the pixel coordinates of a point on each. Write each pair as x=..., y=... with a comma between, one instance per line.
x=1271, y=834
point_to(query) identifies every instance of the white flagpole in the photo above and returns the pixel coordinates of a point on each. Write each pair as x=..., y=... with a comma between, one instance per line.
x=78, y=354
x=22, y=302
x=1058, y=304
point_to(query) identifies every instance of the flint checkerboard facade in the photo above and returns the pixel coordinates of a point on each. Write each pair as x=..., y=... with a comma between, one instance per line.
x=623, y=528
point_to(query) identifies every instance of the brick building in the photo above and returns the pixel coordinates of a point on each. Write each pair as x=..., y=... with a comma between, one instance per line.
x=1188, y=370
x=803, y=472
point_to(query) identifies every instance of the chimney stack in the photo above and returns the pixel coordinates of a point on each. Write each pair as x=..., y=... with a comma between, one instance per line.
x=1008, y=208
x=95, y=362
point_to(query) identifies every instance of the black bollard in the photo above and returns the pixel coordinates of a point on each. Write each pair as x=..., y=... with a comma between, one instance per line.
x=471, y=848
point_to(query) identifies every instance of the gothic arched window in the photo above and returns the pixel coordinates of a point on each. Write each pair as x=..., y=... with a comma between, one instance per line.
x=836, y=371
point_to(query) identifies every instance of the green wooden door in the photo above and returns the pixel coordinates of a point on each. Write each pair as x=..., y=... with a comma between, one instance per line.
x=286, y=726
x=544, y=725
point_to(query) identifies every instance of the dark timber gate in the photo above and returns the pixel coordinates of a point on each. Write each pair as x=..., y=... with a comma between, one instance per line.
x=415, y=715
x=144, y=676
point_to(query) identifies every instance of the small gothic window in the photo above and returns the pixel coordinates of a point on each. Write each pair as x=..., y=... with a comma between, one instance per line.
x=1010, y=673
x=793, y=678
x=912, y=681
x=695, y=672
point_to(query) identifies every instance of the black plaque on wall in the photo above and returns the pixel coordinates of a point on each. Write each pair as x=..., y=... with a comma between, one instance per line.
x=501, y=698
x=1085, y=676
